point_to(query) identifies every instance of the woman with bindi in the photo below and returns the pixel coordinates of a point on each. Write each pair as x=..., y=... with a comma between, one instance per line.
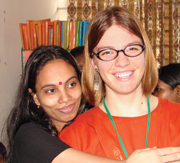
x=48, y=98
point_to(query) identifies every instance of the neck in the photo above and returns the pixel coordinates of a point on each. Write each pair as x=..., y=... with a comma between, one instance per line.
x=126, y=105
x=59, y=126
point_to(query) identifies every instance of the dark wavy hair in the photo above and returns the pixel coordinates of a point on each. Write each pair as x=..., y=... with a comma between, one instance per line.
x=77, y=51
x=25, y=109
x=170, y=74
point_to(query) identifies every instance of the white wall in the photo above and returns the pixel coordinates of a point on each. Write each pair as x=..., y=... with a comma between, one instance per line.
x=13, y=12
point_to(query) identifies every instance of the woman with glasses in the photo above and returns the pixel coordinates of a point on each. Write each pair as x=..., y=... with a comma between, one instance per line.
x=118, y=77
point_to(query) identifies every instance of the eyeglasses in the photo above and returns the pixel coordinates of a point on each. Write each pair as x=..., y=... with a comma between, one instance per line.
x=129, y=51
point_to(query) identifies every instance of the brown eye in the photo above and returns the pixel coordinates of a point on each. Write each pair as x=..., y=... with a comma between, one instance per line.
x=156, y=90
x=106, y=52
x=71, y=85
x=50, y=91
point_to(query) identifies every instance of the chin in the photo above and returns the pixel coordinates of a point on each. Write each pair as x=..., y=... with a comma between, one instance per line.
x=125, y=91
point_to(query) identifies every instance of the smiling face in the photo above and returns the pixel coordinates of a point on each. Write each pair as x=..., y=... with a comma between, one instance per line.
x=58, y=92
x=122, y=75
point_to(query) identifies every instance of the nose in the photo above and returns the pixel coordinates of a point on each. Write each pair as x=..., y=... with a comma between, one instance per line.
x=121, y=59
x=64, y=97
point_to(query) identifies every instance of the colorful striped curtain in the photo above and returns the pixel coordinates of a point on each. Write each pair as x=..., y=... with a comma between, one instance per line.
x=160, y=18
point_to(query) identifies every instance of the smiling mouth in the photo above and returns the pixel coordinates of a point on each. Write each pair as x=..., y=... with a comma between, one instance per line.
x=123, y=75
x=67, y=109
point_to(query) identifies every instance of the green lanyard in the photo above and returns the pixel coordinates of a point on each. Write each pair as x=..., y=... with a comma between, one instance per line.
x=120, y=140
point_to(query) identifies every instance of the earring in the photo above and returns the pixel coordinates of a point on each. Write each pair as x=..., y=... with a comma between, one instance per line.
x=38, y=106
x=96, y=80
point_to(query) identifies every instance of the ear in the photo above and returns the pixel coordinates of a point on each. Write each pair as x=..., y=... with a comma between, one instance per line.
x=34, y=97
x=93, y=63
x=178, y=91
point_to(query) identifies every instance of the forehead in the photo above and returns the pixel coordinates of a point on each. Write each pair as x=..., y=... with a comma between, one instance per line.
x=164, y=85
x=56, y=70
x=118, y=36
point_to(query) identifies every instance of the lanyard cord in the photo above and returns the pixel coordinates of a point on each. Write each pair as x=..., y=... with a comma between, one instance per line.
x=120, y=140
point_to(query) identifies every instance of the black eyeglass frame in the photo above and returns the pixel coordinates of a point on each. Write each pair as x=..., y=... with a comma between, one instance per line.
x=97, y=54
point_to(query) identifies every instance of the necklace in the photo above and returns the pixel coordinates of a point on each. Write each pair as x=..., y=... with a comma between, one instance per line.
x=120, y=140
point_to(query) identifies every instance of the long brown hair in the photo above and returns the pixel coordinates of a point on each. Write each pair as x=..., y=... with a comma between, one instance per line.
x=98, y=26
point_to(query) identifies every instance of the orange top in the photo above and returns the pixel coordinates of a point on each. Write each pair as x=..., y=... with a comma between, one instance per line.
x=94, y=133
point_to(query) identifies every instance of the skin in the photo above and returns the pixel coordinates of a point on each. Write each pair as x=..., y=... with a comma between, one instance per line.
x=129, y=87
x=117, y=38
x=164, y=90
x=58, y=92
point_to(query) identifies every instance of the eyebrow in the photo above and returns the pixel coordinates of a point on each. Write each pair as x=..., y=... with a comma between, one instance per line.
x=110, y=46
x=50, y=85
x=71, y=78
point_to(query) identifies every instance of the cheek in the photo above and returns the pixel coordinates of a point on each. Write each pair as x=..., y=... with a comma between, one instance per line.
x=48, y=101
x=104, y=67
x=78, y=94
x=76, y=97
x=172, y=96
x=164, y=94
x=75, y=93
x=141, y=63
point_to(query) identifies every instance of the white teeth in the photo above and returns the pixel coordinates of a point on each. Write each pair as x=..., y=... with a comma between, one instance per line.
x=123, y=75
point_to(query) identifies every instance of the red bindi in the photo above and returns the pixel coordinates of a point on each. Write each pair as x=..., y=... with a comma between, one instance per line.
x=60, y=83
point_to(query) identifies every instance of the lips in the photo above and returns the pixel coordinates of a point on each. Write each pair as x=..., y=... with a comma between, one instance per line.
x=124, y=75
x=67, y=109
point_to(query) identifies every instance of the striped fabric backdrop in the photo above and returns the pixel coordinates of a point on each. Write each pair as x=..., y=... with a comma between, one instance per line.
x=160, y=18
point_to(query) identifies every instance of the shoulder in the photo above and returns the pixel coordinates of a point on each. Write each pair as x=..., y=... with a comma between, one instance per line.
x=33, y=144
x=164, y=104
x=28, y=128
x=94, y=114
x=168, y=105
x=92, y=111
x=85, y=121
x=27, y=131
x=85, y=126
x=170, y=119
x=31, y=134
x=169, y=110
x=31, y=131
